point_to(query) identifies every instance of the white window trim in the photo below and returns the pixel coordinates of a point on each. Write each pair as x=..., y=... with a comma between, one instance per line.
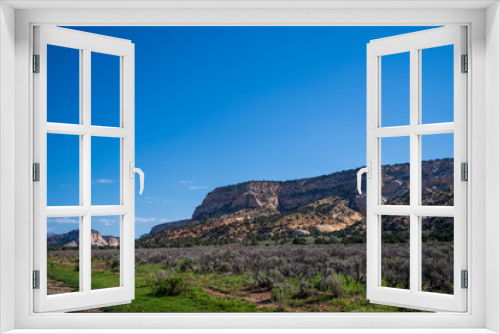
x=484, y=121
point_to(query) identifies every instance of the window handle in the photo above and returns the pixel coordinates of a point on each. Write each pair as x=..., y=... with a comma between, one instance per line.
x=368, y=171
x=139, y=171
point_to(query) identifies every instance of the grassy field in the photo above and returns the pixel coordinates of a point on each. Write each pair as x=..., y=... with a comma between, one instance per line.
x=180, y=284
x=219, y=293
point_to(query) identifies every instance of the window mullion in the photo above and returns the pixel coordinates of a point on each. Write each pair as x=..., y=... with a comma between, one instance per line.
x=81, y=186
x=415, y=186
x=406, y=210
x=85, y=179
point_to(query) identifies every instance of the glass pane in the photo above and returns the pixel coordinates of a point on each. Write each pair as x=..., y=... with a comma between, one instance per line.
x=437, y=254
x=63, y=170
x=437, y=84
x=395, y=170
x=63, y=85
x=105, y=90
x=63, y=255
x=105, y=240
x=105, y=171
x=395, y=90
x=437, y=169
x=395, y=252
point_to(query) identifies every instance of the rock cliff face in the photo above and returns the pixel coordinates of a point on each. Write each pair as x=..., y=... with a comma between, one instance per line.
x=256, y=199
x=97, y=240
x=111, y=241
x=72, y=239
x=320, y=204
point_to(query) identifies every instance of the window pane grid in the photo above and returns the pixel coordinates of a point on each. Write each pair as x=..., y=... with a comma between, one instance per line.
x=86, y=131
x=73, y=106
x=415, y=210
x=439, y=118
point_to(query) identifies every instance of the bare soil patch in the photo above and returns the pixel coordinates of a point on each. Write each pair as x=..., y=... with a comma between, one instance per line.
x=57, y=287
x=216, y=293
x=263, y=298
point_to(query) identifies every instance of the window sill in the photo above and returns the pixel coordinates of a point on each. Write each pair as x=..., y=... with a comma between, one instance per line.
x=250, y=331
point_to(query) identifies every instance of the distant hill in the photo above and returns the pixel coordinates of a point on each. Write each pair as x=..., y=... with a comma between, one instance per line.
x=164, y=226
x=72, y=239
x=317, y=205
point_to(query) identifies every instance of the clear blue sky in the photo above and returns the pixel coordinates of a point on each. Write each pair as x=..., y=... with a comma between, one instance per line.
x=222, y=105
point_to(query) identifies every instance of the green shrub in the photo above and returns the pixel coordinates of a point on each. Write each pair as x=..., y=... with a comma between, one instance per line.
x=225, y=267
x=299, y=241
x=305, y=288
x=186, y=263
x=282, y=294
x=320, y=241
x=334, y=284
x=114, y=263
x=165, y=285
x=263, y=279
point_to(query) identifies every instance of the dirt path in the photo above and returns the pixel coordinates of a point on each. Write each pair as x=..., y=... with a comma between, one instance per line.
x=259, y=298
x=263, y=298
x=57, y=287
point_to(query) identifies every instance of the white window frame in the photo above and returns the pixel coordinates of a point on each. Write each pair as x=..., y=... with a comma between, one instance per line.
x=414, y=43
x=85, y=43
x=483, y=21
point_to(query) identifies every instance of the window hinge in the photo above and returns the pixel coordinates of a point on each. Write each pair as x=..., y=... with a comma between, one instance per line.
x=465, y=279
x=36, y=172
x=465, y=64
x=36, y=63
x=36, y=279
x=464, y=171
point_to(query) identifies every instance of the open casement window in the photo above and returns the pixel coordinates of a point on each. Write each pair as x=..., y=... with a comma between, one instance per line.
x=64, y=80
x=403, y=214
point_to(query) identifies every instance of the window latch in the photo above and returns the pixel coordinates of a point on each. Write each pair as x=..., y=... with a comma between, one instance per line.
x=139, y=171
x=368, y=171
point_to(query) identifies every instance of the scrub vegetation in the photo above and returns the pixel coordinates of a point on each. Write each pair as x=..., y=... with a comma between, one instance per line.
x=240, y=278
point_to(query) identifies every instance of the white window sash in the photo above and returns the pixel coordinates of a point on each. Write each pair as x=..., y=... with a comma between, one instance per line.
x=87, y=43
x=413, y=43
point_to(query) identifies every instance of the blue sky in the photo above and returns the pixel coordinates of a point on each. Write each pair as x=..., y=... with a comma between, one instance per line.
x=222, y=105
